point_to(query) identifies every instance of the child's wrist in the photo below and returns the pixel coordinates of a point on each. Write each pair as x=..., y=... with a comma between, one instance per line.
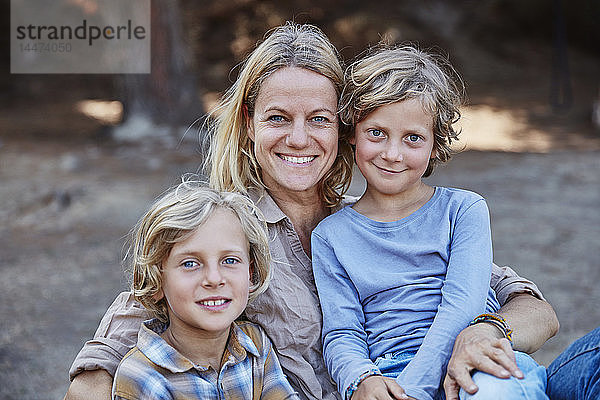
x=354, y=385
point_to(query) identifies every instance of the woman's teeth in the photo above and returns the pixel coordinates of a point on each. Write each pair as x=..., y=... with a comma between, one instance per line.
x=298, y=160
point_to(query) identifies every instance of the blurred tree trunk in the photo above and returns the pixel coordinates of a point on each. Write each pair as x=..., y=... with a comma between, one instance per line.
x=164, y=102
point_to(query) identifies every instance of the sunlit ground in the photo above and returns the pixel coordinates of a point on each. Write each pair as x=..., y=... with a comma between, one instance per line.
x=486, y=128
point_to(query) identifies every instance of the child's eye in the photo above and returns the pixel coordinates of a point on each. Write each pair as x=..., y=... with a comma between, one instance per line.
x=230, y=260
x=377, y=133
x=190, y=264
x=320, y=119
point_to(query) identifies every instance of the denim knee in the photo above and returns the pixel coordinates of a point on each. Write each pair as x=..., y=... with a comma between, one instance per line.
x=575, y=374
x=533, y=386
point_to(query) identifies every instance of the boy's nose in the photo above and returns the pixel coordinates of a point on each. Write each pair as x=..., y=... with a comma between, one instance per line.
x=212, y=276
x=298, y=136
x=392, y=153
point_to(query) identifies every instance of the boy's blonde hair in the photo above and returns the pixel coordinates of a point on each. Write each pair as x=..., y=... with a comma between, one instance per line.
x=389, y=75
x=232, y=163
x=172, y=219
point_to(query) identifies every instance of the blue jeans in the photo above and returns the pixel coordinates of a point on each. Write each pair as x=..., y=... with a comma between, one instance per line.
x=391, y=365
x=575, y=374
x=533, y=386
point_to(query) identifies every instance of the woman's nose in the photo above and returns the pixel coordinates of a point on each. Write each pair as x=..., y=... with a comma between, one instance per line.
x=298, y=137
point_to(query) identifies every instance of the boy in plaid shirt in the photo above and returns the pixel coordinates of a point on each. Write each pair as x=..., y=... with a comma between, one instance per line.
x=198, y=256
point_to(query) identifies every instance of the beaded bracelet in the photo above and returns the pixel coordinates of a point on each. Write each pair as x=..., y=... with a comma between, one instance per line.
x=498, y=321
x=354, y=385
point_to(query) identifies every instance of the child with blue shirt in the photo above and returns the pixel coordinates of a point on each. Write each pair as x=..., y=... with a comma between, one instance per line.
x=198, y=256
x=402, y=271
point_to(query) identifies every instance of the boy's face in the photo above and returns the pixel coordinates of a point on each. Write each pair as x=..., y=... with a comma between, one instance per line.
x=206, y=277
x=393, y=146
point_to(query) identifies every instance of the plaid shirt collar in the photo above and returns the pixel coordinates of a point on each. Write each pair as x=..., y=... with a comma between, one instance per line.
x=162, y=354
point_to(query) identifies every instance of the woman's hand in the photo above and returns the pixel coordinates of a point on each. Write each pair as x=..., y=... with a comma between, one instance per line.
x=482, y=347
x=478, y=347
x=376, y=387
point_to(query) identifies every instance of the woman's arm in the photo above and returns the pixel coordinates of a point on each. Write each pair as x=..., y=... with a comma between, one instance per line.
x=532, y=320
x=97, y=361
x=90, y=385
x=482, y=347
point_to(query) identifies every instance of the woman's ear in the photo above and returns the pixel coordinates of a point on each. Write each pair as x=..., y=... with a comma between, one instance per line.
x=249, y=122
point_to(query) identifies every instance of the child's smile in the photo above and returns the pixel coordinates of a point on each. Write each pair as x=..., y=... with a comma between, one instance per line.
x=214, y=304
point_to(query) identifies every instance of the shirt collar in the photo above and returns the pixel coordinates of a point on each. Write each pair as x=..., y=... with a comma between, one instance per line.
x=273, y=213
x=266, y=205
x=162, y=354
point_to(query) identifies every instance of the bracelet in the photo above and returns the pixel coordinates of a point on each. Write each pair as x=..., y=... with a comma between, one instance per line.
x=354, y=385
x=498, y=321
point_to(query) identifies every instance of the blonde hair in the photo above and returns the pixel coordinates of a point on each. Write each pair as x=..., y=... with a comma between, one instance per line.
x=232, y=163
x=172, y=219
x=389, y=75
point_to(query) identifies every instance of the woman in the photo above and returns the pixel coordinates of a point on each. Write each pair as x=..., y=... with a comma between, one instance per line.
x=278, y=139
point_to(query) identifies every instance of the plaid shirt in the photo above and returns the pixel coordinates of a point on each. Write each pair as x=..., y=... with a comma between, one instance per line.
x=155, y=370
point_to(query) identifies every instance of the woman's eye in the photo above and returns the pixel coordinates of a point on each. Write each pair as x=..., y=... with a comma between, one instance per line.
x=230, y=260
x=413, y=138
x=276, y=118
x=189, y=264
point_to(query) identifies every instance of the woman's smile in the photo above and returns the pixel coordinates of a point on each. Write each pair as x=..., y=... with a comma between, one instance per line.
x=297, y=159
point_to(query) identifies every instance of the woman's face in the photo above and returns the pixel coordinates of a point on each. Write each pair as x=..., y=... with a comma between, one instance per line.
x=295, y=129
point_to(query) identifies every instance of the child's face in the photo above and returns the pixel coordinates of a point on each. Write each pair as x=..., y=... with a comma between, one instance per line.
x=206, y=277
x=393, y=146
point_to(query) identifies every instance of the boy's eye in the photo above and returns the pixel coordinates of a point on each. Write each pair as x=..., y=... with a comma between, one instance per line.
x=376, y=133
x=189, y=264
x=230, y=260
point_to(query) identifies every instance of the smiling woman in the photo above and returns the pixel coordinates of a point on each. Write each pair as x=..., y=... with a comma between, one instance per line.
x=294, y=130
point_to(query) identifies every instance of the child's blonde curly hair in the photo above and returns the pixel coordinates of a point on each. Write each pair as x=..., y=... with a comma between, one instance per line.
x=391, y=74
x=172, y=219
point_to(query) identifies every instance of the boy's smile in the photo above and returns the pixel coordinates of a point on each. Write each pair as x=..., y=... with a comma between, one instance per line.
x=206, y=277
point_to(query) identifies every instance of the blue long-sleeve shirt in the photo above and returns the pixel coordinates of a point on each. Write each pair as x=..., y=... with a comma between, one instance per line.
x=409, y=285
